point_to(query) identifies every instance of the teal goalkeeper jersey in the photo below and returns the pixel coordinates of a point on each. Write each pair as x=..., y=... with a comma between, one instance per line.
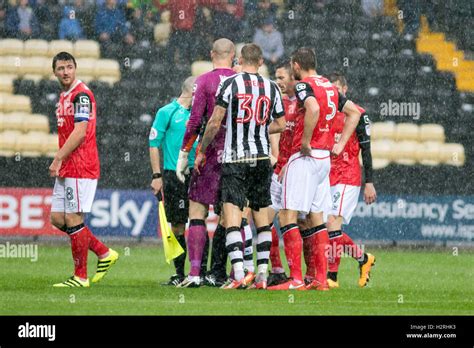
x=168, y=132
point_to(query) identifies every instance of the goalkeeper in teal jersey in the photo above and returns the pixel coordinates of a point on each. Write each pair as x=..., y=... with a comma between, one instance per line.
x=167, y=134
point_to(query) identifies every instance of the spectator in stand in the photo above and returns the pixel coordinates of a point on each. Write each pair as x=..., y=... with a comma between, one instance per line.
x=270, y=41
x=3, y=14
x=111, y=27
x=372, y=8
x=85, y=13
x=183, y=35
x=21, y=21
x=260, y=11
x=143, y=17
x=70, y=28
x=48, y=13
x=228, y=20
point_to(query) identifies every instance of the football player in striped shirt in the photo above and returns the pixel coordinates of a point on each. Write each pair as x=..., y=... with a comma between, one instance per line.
x=251, y=107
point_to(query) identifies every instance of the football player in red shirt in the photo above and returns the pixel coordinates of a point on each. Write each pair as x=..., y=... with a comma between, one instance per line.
x=76, y=168
x=281, y=150
x=306, y=187
x=345, y=178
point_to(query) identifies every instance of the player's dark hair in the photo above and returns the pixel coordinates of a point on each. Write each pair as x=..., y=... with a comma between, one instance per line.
x=63, y=56
x=305, y=57
x=251, y=54
x=337, y=76
x=284, y=65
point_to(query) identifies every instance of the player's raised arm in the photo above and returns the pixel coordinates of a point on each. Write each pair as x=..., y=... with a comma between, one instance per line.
x=352, y=119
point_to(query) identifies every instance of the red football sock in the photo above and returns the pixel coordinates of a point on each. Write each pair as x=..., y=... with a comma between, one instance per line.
x=309, y=258
x=275, y=251
x=319, y=242
x=334, y=258
x=351, y=248
x=80, y=247
x=293, y=246
x=96, y=245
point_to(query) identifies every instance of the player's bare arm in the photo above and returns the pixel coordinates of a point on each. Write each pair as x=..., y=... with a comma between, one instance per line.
x=310, y=120
x=277, y=126
x=212, y=128
x=73, y=141
x=274, y=146
x=156, y=183
x=352, y=120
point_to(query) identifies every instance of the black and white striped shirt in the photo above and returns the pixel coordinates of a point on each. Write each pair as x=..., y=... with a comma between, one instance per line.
x=252, y=102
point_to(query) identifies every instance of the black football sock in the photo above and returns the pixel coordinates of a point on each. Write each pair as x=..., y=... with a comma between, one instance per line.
x=181, y=259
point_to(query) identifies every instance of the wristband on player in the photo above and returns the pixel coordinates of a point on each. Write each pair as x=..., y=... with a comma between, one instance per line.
x=157, y=175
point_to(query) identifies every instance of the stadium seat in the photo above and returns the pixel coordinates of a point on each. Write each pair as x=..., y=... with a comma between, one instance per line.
x=86, y=49
x=29, y=144
x=13, y=121
x=85, y=78
x=36, y=48
x=57, y=46
x=36, y=123
x=8, y=140
x=110, y=80
x=432, y=132
x=200, y=67
x=382, y=153
x=405, y=152
x=11, y=47
x=107, y=67
x=35, y=66
x=383, y=131
x=452, y=154
x=165, y=16
x=428, y=153
x=10, y=65
x=18, y=103
x=238, y=49
x=263, y=70
x=6, y=83
x=162, y=33
x=34, y=77
x=86, y=66
x=50, y=145
x=407, y=131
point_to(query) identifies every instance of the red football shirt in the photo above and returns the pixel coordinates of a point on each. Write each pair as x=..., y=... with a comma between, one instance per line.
x=345, y=168
x=78, y=105
x=329, y=100
x=286, y=137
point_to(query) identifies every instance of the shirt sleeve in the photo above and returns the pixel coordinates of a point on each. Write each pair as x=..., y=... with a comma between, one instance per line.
x=278, y=109
x=82, y=107
x=363, y=135
x=303, y=91
x=196, y=119
x=158, y=129
x=342, y=101
x=224, y=93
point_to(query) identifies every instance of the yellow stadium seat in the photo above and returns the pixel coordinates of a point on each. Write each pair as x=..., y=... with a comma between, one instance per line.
x=432, y=132
x=381, y=153
x=428, y=153
x=35, y=66
x=107, y=67
x=29, y=144
x=11, y=47
x=162, y=33
x=407, y=131
x=86, y=49
x=165, y=16
x=453, y=154
x=36, y=48
x=111, y=80
x=238, y=49
x=8, y=140
x=263, y=70
x=200, y=67
x=50, y=145
x=34, y=77
x=14, y=121
x=6, y=83
x=383, y=131
x=86, y=66
x=405, y=152
x=86, y=78
x=36, y=123
x=10, y=65
x=19, y=103
x=57, y=46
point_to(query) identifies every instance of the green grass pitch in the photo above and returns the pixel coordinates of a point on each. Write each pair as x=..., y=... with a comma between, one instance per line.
x=403, y=283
